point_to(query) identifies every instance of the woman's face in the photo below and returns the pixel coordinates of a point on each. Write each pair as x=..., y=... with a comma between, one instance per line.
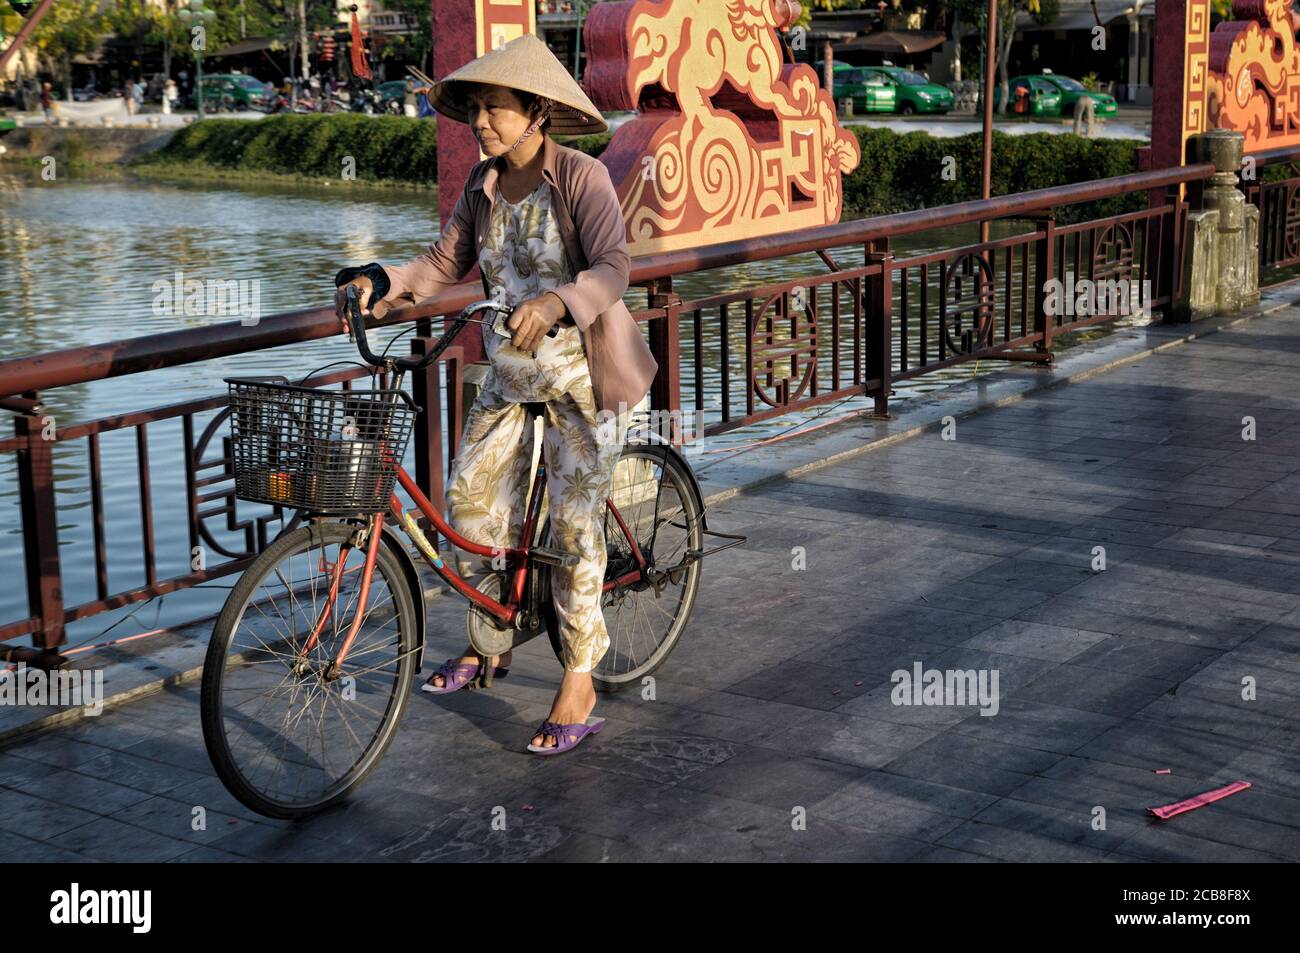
x=496, y=116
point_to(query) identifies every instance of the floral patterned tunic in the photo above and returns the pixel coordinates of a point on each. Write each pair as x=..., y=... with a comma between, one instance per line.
x=523, y=257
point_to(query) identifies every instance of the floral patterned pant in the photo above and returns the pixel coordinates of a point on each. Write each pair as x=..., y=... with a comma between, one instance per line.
x=487, y=493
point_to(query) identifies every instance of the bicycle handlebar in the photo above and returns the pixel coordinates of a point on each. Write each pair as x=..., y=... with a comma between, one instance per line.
x=357, y=326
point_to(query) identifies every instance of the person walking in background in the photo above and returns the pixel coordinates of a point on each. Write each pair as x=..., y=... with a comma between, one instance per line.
x=47, y=103
x=168, y=95
x=409, y=104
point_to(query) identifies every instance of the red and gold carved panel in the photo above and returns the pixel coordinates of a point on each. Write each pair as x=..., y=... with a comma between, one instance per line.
x=1254, y=74
x=1196, y=65
x=500, y=21
x=731, y=141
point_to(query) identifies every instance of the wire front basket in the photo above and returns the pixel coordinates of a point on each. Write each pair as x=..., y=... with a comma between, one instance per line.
x=332, y=452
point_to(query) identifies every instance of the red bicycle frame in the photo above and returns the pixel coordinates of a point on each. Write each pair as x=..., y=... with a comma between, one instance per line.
x=504, y=612
x=520, y=556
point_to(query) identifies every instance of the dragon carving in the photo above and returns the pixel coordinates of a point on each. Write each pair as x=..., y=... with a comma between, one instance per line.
x=730, y=140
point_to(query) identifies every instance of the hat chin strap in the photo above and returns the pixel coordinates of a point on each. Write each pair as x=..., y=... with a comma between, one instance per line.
x=533, y=127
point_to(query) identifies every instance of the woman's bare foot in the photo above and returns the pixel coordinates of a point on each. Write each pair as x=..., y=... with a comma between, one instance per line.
x=470, y=656
x=572, y=706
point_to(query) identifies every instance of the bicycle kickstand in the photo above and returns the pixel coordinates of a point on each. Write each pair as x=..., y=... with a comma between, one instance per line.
x=484, y=678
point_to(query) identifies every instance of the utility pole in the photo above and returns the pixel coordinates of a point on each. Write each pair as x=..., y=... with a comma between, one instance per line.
x=990, y=64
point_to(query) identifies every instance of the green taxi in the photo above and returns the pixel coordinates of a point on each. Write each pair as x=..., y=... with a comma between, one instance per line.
x=392, y=96
x=1072, y=91
x=1031, y=96
x=230, y=91
x=870, y=94
x=913, y=93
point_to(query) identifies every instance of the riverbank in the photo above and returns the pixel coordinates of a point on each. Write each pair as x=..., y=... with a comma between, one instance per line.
x=897, y=171
x=84, y=146
x=207, y=172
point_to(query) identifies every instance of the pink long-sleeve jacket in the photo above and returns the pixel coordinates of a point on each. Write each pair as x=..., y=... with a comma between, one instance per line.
x=595, y=239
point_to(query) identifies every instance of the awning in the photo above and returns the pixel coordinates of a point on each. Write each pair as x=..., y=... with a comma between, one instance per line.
x=1079, y=15
x=244, y=47
x=894, y=41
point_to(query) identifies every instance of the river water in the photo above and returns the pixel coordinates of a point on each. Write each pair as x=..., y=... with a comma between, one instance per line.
x=80, y=260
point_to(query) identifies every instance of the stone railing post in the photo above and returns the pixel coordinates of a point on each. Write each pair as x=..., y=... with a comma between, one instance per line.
x=1221, y=260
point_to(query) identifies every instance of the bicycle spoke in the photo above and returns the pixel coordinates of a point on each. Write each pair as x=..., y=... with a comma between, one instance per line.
x=644, y=622
x=293, y=731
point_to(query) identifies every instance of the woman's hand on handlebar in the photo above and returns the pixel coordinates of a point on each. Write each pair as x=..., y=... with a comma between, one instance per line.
x=533, y=318
x=364, y=289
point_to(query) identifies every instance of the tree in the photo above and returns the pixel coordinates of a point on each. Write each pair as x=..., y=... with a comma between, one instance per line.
x=69, y=28
x=296, y=19
x=419, y=45
x=808, y=6
x=137, y=22
x=934, y=11
x=976, y=13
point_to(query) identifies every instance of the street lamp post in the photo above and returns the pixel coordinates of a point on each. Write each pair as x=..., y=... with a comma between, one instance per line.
x=197, y=14
x=990, y=65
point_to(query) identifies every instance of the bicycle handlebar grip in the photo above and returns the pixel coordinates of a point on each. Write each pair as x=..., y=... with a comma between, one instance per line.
x=358, y=325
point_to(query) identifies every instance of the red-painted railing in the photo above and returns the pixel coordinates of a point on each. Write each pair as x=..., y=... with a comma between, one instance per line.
x=746, y=354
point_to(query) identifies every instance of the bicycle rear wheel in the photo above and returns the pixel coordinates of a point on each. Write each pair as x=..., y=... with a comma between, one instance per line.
x=657, y=500
x=287, y=737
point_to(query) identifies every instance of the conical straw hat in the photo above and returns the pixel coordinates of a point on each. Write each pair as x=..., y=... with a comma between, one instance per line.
x=526, y=64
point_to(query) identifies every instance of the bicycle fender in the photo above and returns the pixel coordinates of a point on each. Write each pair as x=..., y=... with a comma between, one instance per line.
x=393, y=541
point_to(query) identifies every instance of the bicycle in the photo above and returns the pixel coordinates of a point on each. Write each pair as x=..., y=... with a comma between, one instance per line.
x=319, y=641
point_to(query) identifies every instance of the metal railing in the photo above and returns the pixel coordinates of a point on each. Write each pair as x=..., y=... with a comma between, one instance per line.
x=1278, y=202
x=846, y=330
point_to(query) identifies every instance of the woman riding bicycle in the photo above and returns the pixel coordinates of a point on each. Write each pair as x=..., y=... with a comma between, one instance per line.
x=544, y=224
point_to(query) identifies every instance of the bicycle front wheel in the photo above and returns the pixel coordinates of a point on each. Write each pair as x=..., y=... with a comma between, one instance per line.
x=287, y=736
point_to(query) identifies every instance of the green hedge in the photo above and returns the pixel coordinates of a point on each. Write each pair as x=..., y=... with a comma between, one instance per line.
x=384, y=147
x=898, y=171
x=904, y=171
x=387, y=148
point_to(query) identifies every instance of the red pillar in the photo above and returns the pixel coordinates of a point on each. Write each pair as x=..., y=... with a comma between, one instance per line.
x=463, y=30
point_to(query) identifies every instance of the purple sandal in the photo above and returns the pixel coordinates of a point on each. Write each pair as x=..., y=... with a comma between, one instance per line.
x=456, y=676
x=566, y=736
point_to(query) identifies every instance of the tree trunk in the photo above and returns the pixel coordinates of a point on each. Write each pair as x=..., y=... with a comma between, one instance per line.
x=956, y=53
x=169, y=9
x=1004, y=55
x=302, y=37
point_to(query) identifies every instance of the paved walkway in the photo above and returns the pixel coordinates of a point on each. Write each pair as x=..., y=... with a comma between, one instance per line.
x=975, y=553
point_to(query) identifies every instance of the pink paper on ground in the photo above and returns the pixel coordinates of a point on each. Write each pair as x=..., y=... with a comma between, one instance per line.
x=1198, y=800
x=1164, y=771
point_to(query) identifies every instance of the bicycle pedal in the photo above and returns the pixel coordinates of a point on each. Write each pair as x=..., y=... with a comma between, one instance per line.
x=553, y=557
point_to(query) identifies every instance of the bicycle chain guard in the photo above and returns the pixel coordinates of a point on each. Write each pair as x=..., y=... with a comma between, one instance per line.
x=486, y=634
